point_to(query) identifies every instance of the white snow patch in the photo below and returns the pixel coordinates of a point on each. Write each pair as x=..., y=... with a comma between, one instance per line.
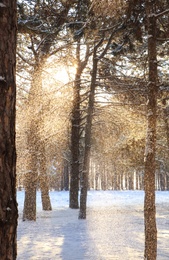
x=114, y=228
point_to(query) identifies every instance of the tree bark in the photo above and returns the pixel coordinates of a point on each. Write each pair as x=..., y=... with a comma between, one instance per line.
x=43, y=176
x=75, y=130
x=75, y=136
x=65, y=176
x=8, y=204
x=86, y=161
x=150, y=252
x=31, y=176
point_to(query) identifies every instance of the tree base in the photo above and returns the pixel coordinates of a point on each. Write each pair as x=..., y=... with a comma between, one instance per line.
x=82, y=215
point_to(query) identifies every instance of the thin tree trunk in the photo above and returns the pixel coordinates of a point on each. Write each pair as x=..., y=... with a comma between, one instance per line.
x=126, y=180
x=75, y=136
x=30, y=178
x=65, y=176
x=167, y=182
x=29, y=212
x=43, y=177
x=150, y=252
x=75, y=133
x=86, y=161
x=167, y=136
x=121, y=177
x=137, y=180
x=8, y=204
x=165, y=111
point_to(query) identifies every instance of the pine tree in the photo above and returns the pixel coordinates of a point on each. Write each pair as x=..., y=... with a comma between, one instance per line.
x=8, y=204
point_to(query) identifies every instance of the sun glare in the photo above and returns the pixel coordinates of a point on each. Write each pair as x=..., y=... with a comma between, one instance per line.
x=62, y=75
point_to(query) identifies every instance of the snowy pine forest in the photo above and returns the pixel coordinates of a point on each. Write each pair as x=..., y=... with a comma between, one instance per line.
x=84, y=129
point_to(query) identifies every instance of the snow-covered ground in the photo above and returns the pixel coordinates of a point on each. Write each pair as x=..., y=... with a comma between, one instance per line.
x=114, y=228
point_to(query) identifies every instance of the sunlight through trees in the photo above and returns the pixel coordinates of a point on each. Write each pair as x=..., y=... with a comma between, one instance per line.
x=92, y=102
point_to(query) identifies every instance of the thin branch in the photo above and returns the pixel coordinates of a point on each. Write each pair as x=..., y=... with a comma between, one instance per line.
x=60, y=48
x=160, y=14
x=109, y=41
x=25, y=60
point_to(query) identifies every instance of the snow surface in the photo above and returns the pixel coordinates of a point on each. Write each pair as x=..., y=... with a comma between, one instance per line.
x=114, y=228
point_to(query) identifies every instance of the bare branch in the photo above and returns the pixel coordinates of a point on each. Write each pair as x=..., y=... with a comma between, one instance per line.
x=25, y=60
x=160, y=14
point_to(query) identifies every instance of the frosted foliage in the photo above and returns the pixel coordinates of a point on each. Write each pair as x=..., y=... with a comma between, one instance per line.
x=47, y=112
x=114, y=228
x=116, y=128
x=109, y=7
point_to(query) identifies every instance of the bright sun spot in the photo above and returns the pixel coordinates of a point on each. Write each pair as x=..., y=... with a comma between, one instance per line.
x=62, y=76
x=58, y=74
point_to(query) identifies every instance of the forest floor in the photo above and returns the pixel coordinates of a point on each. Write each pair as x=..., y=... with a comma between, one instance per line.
x=113, y=230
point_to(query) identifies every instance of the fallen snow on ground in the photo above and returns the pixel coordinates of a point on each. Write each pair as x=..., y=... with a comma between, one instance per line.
x=113, y=230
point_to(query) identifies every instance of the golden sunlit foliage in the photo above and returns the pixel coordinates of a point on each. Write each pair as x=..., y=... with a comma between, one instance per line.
x=109, y=8
x=119, y=128
x=52, y=106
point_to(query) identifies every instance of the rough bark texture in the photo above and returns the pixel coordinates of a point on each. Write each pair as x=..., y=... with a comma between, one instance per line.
x=30, y=180
x=8, y=204
x=150, y=149
x=43, y=178
x=65, y=176
x=86, y=161
x=75, y=136
x=81, y=15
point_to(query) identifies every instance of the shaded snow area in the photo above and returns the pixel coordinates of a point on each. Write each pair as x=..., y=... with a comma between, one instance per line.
x=114, y=228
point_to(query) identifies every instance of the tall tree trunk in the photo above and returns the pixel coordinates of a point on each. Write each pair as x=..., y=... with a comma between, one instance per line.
x=137, y=180
x=165, y=111
x=30, y=178
x=65, y=176
x=43, y=176
x=166, y=114
x=150, y=252
x=75, y=136
x=86, y=161
x=75, y=130
x=8, y=204
x=82, y=8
